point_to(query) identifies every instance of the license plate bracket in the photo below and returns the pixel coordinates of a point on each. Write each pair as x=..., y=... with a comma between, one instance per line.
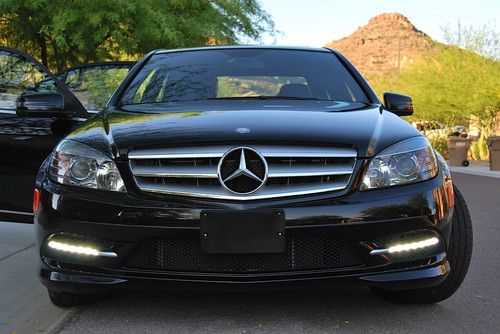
x=242, y=232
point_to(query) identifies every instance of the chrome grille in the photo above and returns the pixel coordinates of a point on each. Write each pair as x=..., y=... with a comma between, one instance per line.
x=292, y=170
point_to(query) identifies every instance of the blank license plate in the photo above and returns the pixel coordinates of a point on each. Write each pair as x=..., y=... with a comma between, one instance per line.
x=242, y=232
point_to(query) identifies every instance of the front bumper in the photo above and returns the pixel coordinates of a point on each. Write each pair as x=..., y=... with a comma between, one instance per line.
x=121, y=222
x=409, y=278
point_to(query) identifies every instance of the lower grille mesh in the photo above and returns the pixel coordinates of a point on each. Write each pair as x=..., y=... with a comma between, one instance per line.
x=183, y=254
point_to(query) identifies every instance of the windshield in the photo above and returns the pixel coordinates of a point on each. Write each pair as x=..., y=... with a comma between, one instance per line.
x=222, y=74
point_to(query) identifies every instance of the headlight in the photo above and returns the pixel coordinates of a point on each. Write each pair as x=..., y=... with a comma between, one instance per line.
x=408, y=161
x=80, y=165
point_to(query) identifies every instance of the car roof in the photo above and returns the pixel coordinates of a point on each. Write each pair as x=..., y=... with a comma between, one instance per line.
x=251, y=47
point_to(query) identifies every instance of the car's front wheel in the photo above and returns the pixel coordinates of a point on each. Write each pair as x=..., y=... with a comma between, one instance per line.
x=459, y=254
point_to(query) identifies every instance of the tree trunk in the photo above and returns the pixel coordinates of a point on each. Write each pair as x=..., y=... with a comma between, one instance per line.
x=42, y=42
x=60, y=62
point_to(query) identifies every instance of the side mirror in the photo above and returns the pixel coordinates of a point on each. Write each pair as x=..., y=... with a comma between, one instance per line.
x=401, y=105
x=41, y=104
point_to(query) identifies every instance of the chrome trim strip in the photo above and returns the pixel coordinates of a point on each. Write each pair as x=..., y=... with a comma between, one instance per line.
x=191, y=152
x=306, y=152
x=220, y=193
x=7, y=111
x=209, y=172
x=300, y=171
x=175, y=171
x=180, y=155
x=22, y=213
x=108, y=254
x=379, y=251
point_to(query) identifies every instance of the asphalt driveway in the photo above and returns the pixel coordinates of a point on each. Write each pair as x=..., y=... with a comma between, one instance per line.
x=25, y=308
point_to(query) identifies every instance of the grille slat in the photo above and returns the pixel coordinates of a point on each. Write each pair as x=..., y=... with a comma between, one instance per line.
x=292, y=170
x=183, y=254
x=265, y=150
x=308, y=170
x=271, y=191
x=176, y=171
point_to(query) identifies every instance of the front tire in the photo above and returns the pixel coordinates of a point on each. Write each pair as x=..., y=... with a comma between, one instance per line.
x=459, y=254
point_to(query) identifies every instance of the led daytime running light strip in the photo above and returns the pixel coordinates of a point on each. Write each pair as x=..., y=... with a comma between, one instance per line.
x=405, y=247
x=81, y=250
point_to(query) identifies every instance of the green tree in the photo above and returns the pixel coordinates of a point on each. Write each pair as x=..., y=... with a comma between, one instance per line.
x=449, y=85
x=67, y=32
x=452, y=85
x=455, y=83
x=483, y=40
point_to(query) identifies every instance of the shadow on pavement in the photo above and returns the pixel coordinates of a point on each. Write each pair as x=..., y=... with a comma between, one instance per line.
x=247, y=312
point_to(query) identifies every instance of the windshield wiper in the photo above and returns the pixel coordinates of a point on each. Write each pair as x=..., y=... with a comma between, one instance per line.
x=268, y=97
x=255, y=97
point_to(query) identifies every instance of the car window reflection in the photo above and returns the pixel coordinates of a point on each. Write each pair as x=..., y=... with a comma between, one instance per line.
x=18, y=75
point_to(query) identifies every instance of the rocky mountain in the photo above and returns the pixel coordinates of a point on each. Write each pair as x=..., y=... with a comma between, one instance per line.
x=387, y=43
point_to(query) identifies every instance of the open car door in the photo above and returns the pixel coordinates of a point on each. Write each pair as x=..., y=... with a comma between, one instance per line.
x=93, y=84
x=36, y=111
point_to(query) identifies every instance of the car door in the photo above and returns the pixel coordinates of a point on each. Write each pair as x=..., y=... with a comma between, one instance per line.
x=26, y=141
x=93, y=84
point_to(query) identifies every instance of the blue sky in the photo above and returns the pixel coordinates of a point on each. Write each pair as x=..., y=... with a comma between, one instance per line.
x=316, y=22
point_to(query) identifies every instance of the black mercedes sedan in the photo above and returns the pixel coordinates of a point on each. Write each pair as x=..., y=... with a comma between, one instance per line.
x=239, y=167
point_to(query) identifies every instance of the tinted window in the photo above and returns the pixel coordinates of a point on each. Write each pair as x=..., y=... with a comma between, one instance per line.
x=17, y=75
x=233, y=86
x=94, y=85
x=243, y=73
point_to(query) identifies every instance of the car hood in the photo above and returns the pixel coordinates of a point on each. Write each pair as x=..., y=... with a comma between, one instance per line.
x=369, y=129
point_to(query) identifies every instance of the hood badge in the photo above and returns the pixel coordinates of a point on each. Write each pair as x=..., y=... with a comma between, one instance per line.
x=242, y=130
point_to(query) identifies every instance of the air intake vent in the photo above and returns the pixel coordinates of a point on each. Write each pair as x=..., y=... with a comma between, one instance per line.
x=243, y=173
x=183, y=254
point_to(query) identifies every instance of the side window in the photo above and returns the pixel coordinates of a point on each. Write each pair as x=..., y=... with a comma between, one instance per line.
x=18, y=75
x=94, y=85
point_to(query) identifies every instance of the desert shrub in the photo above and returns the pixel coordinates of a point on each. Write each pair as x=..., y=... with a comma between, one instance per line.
x=438, y=141
x=479, y=150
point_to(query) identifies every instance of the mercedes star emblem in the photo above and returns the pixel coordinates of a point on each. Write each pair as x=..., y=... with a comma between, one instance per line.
x=242, y=170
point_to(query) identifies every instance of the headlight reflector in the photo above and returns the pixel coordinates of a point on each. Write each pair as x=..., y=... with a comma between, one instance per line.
x=108, y=177
x=77, y=164
x=409, y=161
x=81, y=169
